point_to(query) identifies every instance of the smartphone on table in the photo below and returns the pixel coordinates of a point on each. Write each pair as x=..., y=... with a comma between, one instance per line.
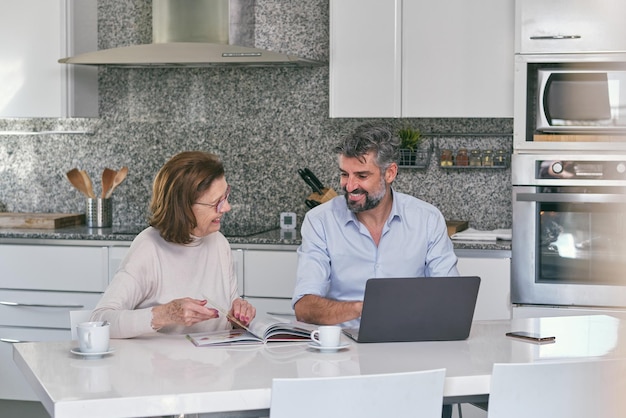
x=531, y=337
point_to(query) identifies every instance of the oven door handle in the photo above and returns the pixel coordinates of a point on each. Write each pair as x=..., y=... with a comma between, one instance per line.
x=571, y=198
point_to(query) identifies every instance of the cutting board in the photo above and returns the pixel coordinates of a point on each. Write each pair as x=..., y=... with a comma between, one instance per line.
x=456, y=226
x=40, y=220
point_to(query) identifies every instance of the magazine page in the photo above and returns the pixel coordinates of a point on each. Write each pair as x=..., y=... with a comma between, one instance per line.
x=261, y=324
x=262, y=329
x=225, y=337
x=273, y=329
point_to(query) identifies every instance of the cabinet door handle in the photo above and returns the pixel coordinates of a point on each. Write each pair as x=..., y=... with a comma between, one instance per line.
x=12, y=341
x=37, y=305
x=549, y=37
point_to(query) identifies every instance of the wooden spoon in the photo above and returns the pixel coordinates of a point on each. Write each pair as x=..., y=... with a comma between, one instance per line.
x=119, y=177
x=88, y=184
x=108, y=176
x=76, y=178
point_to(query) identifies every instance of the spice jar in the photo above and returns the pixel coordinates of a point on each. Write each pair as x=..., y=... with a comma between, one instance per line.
x=446, y=158
x=474, y=159
x=487, y=158
x=500, y=158
x=462, y=159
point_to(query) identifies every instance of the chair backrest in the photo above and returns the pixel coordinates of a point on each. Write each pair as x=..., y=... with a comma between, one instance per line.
x=76, y=317
x=575, y=389
x=418, y=394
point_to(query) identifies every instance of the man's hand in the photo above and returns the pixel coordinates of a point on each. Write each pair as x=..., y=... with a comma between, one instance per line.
x=322, y=311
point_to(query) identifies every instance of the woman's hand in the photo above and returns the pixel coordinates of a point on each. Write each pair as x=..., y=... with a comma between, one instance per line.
x=242, y=311
x=185, y=311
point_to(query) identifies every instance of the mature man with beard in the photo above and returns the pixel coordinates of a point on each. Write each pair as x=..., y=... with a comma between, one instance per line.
x=370, y=231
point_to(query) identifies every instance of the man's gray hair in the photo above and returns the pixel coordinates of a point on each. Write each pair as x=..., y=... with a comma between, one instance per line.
x=377, y=138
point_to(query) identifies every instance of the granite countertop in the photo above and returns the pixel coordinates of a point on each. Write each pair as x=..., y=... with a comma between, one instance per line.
x=127, y=234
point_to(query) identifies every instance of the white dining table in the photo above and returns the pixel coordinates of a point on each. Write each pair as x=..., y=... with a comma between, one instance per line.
x=163, y=375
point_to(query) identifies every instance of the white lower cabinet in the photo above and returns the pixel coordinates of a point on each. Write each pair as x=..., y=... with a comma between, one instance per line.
x=39, y=286
x=43, y=309
x=269, y=279
x=54, y=267
x=494, y=295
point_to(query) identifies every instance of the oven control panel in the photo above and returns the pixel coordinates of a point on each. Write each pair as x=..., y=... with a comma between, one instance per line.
x=570, y=169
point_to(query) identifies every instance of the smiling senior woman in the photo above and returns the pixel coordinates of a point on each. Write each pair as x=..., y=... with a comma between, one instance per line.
x=178, y=262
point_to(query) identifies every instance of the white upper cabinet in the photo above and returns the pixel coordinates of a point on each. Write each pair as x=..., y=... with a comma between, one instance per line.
x=34, y=34
x=457, y=58
x=365, y=65
x=570, y=26
x=409, y=58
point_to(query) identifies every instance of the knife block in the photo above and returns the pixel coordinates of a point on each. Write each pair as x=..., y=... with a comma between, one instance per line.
x=327, y=194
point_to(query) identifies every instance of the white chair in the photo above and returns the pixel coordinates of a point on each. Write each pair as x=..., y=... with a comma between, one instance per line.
x=76, y=317
x=576, y=389
x=415, y=394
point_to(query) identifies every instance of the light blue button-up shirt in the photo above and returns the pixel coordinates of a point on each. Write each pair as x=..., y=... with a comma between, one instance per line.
x=338, y=255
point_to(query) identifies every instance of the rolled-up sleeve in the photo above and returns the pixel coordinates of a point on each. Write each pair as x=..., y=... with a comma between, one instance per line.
x=313, y=271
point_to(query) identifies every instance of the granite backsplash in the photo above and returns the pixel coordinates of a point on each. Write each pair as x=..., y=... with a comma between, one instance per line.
x=265, y=123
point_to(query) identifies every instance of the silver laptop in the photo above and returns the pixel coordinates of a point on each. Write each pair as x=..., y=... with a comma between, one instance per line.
x=417, y=309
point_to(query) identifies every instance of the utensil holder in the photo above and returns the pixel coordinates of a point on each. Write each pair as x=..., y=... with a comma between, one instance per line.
x=99, y=212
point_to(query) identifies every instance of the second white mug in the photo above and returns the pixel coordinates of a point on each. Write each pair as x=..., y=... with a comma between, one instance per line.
x=327, y=335
x=93, y=337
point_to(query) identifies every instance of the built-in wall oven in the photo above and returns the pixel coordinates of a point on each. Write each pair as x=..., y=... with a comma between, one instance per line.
x=569, y=230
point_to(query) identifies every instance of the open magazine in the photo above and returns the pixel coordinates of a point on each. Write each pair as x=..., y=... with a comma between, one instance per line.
x=261, y=330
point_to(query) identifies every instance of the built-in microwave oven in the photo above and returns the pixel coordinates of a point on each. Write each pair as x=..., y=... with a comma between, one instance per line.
x=570, y=101
x=581, y=98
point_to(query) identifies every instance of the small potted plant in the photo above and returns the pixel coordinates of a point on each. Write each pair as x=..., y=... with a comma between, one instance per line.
x=410, y=140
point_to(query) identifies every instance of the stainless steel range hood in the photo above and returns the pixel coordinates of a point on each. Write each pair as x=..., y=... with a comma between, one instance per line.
x=196, y=33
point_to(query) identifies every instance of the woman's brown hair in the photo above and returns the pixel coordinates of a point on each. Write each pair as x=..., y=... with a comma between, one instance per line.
x=176, y=187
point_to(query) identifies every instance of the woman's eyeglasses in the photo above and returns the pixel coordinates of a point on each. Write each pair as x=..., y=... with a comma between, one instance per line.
x=220, y=204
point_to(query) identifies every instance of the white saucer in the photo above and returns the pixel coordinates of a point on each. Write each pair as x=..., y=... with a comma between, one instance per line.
x=76, y=350
x=341, y=346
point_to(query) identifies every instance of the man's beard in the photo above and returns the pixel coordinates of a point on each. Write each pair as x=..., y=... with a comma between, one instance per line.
x=371, y=201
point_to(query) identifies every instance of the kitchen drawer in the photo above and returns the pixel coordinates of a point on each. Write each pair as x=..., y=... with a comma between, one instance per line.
x=13, y=385
x=29, y=308
x=494, y=295
x=269, y=273
x=54, y=267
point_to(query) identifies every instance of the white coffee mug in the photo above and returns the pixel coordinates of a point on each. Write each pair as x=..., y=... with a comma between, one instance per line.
x=327, y=335
x=93, y=337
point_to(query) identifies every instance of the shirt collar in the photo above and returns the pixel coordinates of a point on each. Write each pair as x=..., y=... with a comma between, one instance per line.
x=346, y=215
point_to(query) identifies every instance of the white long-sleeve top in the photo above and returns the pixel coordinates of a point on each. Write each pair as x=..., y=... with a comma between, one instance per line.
x=155, y=272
